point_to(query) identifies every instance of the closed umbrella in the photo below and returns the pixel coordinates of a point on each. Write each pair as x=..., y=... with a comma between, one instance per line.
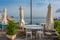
x=4, y=17
x=22, y=22
x=49, y=19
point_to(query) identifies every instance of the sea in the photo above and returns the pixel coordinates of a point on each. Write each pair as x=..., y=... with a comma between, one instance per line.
x=35, y=20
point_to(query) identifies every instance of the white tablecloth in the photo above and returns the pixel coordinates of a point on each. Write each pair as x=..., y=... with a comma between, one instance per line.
x=33, y=27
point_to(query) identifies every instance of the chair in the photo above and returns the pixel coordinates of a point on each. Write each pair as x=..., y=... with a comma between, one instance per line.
x=40, y=34
x=28, y=32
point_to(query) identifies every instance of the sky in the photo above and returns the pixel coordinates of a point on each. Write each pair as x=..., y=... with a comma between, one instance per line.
x=39, y=7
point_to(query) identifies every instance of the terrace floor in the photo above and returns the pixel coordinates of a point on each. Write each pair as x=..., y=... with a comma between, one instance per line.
x=23, y=37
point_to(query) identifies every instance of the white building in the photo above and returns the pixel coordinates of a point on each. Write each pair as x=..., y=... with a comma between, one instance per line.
x=0, y=16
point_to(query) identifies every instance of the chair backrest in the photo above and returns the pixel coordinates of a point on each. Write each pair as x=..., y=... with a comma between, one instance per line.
x=43, y=24
x=28, y=30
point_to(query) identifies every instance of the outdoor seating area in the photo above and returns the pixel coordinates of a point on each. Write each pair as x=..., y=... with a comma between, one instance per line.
x=34, y=21
x=32, y=34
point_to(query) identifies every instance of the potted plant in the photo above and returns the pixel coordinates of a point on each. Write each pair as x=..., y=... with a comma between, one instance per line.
x=11, y=30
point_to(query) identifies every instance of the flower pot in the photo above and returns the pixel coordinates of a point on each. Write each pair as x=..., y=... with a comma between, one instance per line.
x=23, y=32
x=11, y=37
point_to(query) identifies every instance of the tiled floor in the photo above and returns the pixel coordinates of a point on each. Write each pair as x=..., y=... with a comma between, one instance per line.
x=2, y=37
x=20, y=37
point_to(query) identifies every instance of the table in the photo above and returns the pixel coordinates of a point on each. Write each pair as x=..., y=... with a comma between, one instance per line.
x=33, y=27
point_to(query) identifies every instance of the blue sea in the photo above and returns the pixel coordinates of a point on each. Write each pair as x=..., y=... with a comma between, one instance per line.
x=34, y=20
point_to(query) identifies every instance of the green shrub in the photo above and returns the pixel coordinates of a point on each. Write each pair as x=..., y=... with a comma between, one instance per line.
x=11, y=28
x=57, y=26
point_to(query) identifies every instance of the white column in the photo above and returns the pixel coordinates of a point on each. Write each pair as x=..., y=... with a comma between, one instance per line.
x=49, y=19
x=22, y=23
x=4, y=16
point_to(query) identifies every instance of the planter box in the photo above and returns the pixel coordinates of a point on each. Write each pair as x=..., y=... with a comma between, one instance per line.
x=12, y=37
